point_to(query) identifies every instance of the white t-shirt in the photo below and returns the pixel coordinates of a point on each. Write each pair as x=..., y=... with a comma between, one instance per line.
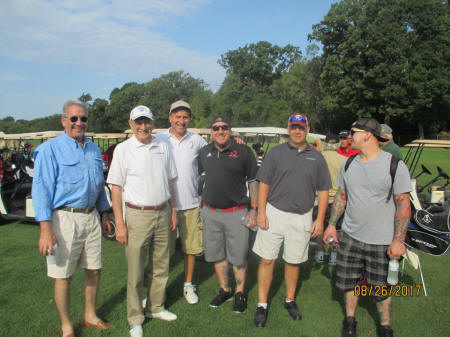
x=143, y=170
x=185, y=153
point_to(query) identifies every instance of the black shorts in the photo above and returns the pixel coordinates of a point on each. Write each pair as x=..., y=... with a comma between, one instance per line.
x=357, y=259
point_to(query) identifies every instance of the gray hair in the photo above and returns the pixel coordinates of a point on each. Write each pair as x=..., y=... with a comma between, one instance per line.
x=330, y=146
x=71, y=102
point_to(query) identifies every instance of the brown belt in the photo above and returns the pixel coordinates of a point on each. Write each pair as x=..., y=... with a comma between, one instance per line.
x=77, y=210
x=147, y=208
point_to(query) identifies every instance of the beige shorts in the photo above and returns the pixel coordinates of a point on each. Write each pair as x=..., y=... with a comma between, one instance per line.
x=79, y=242
x=294, y=230
x=190, y=230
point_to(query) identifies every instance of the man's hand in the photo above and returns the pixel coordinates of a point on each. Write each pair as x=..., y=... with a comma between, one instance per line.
x=106, y=225
x=46, y=239
x=262, y=221
x=173, y=220
x=317, y=228
x=121, y=232
x=330, y=231
x=251, y=217
x=239, y=140
x=396, y=249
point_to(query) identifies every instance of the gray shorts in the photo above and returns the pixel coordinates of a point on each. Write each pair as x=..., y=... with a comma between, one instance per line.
x=225, y=236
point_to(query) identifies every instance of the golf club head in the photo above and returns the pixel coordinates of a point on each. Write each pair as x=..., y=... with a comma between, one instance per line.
x=441, y=172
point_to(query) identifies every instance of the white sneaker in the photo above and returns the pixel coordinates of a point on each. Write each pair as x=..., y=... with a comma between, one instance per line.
x=319, y=257
x=165, y=315
x=332, y=261
x=136, y=331
x=190, y=294
x=144, y=303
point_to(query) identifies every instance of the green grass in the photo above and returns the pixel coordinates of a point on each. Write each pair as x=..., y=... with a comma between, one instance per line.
x=27, y=307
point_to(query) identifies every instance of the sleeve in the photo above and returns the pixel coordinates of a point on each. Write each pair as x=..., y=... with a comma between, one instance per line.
x=402, y=181
x=251, y=167
x=44, y=183
x=117, y=171
x=265, y=172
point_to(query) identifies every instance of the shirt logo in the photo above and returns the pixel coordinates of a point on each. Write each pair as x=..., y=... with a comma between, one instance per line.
x=233, y=154
x=309, y=158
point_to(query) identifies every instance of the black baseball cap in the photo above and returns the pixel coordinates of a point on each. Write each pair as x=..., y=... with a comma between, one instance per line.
x=370, y=125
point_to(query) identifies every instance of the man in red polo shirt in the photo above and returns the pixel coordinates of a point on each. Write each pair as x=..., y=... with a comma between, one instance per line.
x=345, y=147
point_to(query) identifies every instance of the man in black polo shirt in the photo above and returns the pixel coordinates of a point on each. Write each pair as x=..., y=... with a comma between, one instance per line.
x=289, y=178
x=228, y=167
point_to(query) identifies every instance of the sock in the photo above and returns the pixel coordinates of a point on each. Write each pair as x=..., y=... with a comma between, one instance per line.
x=187, y=283
x=287, y=301
x=263, y=305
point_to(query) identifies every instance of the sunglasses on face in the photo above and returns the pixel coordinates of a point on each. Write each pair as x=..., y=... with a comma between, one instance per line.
x=352, y=132
x=218, y=127
x=74, y=119
x=298, y=118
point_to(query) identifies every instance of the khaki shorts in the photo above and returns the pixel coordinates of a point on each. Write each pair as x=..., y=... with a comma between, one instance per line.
x=189, y=230
x=292, y=229
x=79, y=242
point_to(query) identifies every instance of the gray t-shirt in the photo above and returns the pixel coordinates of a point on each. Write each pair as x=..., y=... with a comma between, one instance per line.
x=294, y=177
x=368, y=218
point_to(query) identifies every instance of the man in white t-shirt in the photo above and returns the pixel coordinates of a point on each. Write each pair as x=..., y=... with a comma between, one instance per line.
x=143, y=173
x=185, y=147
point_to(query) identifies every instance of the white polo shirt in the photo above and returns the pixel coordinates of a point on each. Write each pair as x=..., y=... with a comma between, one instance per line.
x=143, y=170
x=185, y=153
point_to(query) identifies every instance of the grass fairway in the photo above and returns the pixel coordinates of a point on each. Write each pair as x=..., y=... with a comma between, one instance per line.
x=27, y=307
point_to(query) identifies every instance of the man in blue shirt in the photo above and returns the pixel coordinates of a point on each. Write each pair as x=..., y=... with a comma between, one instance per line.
x=68, y=194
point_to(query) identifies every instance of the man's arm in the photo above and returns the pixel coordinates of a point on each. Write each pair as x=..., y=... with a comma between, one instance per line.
x=173, y=216
x=263, y=192
x=322, y=200
x=121, y=228
x=401, y=221
x=338, y=208
x=253, y=191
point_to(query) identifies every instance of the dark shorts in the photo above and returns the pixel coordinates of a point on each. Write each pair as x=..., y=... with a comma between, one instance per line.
x=357, y=259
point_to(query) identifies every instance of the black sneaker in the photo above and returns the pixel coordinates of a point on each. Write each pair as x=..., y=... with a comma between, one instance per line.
x=260, y=317
x=293, y=310
x=221, y=297
x=240, y=302
x=349, y=327
x=385, y=331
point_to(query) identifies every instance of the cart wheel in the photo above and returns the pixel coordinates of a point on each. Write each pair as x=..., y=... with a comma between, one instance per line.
x=112, y=234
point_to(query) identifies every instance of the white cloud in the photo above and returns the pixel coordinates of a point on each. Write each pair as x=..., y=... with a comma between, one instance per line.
x=121, y=37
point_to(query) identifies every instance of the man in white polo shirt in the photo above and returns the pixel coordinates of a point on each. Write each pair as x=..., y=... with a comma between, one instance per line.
x=143, y=172
x=185, y=147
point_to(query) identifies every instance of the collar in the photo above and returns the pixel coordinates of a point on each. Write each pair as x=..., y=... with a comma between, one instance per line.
x=74, y=141
x=137, y=143
x=186, y=135
x=307, y=148
x=232, y=147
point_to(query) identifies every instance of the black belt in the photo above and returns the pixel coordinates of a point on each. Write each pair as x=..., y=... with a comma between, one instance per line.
x=76, y=210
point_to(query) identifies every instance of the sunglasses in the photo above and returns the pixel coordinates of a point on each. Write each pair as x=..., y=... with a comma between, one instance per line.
x=74, y=119
x=352, y=132
x=298, y=118
x=218, y=127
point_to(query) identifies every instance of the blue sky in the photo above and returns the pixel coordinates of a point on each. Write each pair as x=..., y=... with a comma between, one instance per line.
x=53, y=50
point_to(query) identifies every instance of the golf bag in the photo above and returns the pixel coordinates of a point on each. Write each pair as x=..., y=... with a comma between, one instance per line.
x=429, y=232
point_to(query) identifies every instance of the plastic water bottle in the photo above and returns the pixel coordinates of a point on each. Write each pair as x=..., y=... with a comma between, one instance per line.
x=246, y=223
x=331, y=242
x=52, y=258
x=392, y=277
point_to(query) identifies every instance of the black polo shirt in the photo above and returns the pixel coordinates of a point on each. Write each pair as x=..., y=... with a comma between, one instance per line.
x=294, y=177
x=226, y=174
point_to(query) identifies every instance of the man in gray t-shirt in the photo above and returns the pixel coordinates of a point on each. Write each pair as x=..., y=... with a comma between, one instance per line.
x=374, y=226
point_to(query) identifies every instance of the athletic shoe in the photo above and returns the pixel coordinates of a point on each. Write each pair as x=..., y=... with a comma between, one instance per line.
x=165, y=315
x=319, y=257
x=221, y=297
x=260, y=317
x=190, y=294
x=333, y=257
x=240, y=302
x=385, y=331
x=136, y=331
x=349, y=327
x=293, y=310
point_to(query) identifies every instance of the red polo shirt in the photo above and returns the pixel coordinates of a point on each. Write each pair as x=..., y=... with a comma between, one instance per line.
x=347, y=153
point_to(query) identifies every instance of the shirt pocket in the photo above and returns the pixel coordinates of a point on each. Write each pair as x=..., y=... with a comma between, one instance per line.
x=70, y=171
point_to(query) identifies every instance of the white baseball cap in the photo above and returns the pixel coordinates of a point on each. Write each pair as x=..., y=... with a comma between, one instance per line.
x=141, y=111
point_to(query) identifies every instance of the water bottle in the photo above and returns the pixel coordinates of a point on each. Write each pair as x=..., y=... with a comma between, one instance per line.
x=52, y=258
x=392, y=277
x=332, y=243
x=246, y=223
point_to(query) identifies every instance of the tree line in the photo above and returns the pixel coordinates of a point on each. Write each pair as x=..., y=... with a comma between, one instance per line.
x=388, y=59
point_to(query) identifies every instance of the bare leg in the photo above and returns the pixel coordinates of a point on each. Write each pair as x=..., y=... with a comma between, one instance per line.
x=189, y=263
x=351, y=302
x=62, y=301
x=239, y=276
x=222, y=274
x=291, y=272
x=91, y=280
x=265, y=274
x=384, y=311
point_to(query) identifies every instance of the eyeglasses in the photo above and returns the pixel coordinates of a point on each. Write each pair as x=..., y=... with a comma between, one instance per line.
x=74, y=119
x=298, y=118
x=218, y=127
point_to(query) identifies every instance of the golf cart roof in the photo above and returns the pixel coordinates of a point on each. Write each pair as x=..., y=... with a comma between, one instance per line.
x=429, y=143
